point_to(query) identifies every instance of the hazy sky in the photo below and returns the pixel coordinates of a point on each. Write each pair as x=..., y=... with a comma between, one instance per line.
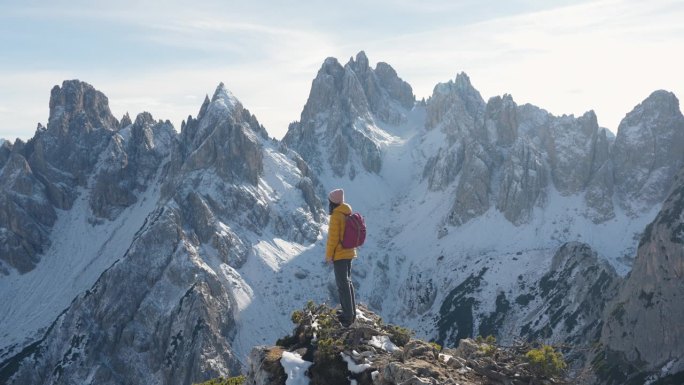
x=163, y=56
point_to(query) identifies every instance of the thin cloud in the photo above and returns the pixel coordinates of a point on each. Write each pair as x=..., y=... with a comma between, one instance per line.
x=614, y=51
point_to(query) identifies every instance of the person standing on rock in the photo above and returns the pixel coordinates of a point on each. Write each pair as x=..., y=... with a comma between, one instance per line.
x=340, y=257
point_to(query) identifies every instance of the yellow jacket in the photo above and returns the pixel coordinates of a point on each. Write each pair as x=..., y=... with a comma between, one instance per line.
x=334, y=250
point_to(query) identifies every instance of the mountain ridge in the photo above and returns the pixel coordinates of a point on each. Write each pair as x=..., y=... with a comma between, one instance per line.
x=244, y=220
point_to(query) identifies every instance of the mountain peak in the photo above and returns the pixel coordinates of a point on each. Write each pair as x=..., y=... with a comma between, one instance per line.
x=362, y=59
x=330, y=66
x=648, y=150
x=343, y=102
x=75, y=97
x=461, y=85
x=463, y=81
x=359, y=66
x=663, y=101
x=659, y=103
x=223, y=96
x=81, y=101
x=126, y=120
x=455, y=101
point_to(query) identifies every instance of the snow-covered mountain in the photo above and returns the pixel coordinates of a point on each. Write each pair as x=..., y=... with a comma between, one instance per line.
x=137, y=254
x=139, y=281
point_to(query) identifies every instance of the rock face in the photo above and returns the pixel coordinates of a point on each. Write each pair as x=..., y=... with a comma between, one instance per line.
x=648, y=151
x=642, y=331
x=599, y=191
x=372, y=353
x=120, y=324
x=473, y=191
x=337, y=126
x=26, y=214
x=570, y=148
x=571, y=296
x=523, y=182
x=5, y=151
x=508, y=156
x=502, y=120
x=225, y=137
x=504, y=155
x=455, y=106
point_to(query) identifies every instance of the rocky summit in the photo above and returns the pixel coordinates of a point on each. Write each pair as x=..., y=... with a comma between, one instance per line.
x=133, y=252
x=322, y=352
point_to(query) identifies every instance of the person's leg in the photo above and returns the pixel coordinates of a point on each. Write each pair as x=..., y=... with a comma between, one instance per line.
x=341, y=268
x=351, y=292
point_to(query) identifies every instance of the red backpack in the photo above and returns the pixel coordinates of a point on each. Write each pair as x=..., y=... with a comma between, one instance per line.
x=354, y=231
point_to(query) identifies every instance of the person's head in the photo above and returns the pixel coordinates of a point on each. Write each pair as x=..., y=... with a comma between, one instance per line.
x=335, y=198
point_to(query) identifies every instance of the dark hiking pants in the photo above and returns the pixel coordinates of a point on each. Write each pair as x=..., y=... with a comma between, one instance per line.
x=345, y=288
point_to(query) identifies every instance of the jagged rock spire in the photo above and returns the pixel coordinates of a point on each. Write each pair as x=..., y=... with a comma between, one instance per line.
x=78, y=106
x=343, y=102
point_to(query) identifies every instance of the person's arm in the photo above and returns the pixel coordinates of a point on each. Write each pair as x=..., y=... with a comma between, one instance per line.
x=333, y=237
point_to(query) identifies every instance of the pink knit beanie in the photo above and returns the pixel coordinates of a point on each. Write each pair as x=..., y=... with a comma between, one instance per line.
x=336, y=196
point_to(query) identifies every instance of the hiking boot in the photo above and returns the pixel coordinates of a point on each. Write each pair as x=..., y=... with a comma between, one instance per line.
x=346, y=323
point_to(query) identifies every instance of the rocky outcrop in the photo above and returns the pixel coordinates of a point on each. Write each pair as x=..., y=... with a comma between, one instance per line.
x=648, y=152
x=337, y=127
x=642, y=334
x=370, y=352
